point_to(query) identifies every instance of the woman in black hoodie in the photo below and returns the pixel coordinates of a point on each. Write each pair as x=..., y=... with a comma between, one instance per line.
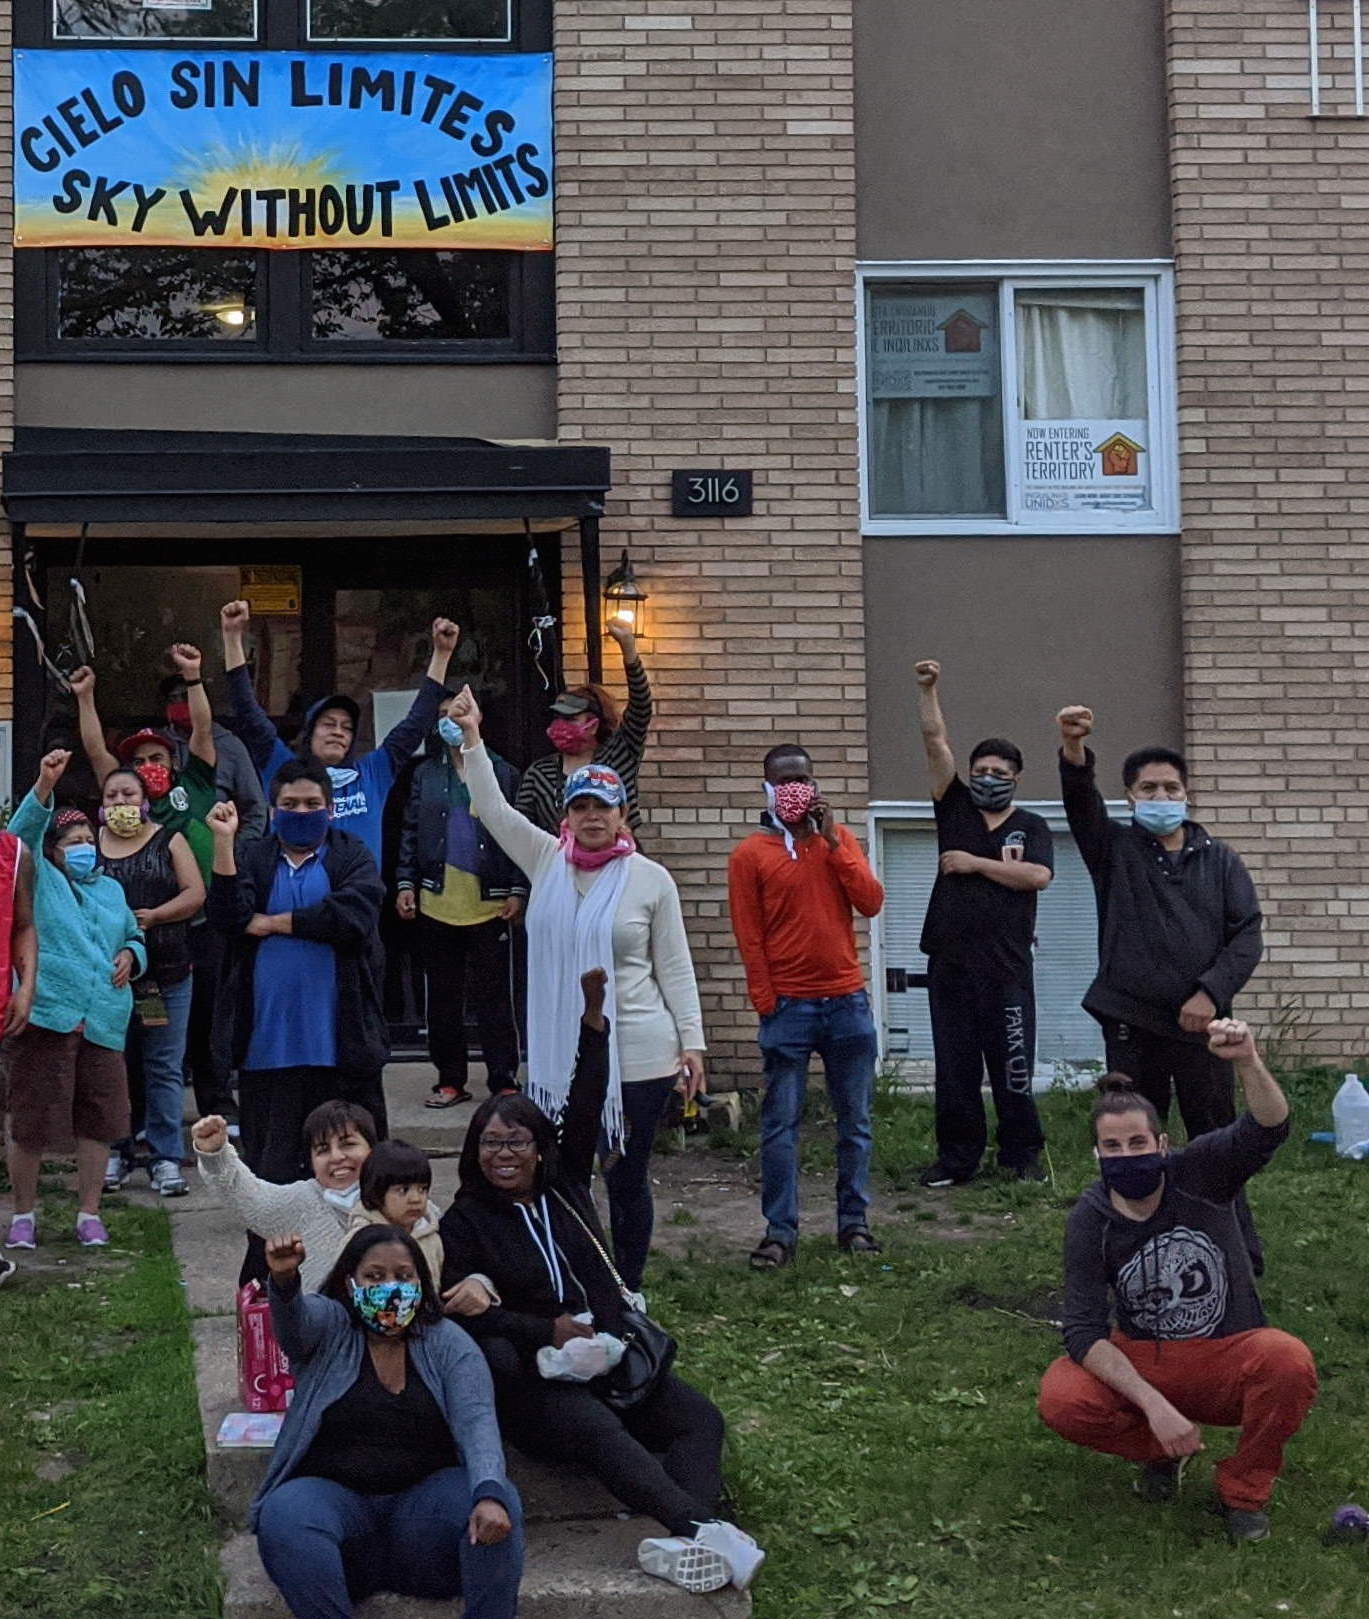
x=524, y=1217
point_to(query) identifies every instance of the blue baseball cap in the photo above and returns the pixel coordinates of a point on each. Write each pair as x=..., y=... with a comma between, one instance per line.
x=595, y=781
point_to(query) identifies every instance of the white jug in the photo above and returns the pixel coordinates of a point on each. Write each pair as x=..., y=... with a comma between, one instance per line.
x=1350, y=1115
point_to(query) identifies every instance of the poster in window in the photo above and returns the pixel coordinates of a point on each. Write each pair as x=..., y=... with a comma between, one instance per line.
x=1085, y=466
x=936, y=345
x=392, y=149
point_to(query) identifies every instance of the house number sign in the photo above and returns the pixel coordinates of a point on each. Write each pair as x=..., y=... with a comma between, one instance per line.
x=710, y=494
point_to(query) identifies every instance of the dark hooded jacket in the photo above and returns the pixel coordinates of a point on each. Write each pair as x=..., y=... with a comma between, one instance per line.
x=348, y=921
x=1166, y=928
x=485, y=1232
x=1185, y=1272
x=437, y=794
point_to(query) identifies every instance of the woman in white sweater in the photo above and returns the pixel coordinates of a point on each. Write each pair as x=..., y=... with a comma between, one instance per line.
x=594, y=898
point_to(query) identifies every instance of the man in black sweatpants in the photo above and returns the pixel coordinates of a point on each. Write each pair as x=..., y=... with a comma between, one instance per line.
x=977, y=936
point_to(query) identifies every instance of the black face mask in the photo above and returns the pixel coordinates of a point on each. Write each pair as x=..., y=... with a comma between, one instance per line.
x=991, y=793
x=1135, y=1176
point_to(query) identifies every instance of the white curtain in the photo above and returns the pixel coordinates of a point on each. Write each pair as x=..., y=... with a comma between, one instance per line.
x=1081, y=355
x=937, y=457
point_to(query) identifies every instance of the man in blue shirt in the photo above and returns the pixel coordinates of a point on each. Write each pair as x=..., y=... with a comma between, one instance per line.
x=299, y=1011
x=358, y=787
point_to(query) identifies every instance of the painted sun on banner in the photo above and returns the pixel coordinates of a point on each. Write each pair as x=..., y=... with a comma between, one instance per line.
x=277, y=150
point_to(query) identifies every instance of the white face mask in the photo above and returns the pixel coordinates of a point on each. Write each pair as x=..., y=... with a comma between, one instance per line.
x=343, y=1200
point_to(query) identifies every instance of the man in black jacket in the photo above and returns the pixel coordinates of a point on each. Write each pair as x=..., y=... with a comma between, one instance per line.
x=465, y=895
x=299, y=1003
x=1178, y=927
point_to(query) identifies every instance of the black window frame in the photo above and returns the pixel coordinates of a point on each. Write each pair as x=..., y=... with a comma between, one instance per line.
x=284, y=336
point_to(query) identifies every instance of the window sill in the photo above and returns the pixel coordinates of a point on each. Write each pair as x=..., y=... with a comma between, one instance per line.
x=993, y=528
x=355, y=356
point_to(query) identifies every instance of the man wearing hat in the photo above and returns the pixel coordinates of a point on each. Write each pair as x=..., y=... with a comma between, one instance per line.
x=360, y=786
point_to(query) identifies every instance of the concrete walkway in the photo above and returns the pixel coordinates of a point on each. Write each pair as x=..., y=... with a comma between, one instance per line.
x=581, y=1550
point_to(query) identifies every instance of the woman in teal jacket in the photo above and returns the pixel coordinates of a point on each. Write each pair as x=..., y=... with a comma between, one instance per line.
x=67, y=1072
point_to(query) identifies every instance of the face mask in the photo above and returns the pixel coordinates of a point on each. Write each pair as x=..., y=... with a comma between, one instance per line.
x=991, y=792
x=343, y=1199
x=387, y=1307
x=1159, y=816
x=792, y=800
x=300, y=829
x=156, y=778
x=1135, y=1177
x=79, y=859
x=450, y=732
x=178, y=714
x=573, y=736
x=124, y=820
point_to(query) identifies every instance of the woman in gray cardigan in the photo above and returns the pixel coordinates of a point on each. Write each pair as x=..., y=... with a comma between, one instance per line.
x=388, y=1474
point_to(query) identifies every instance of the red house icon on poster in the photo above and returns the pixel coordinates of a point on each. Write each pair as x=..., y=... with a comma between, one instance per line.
x=962, y=332
x=1119, y=455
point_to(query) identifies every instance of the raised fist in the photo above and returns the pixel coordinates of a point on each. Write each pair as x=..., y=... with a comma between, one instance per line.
x=466, y=711
x=1075, y=723
x=209, y=1134
x=82, y=682
x=445, y=636
x=234, y=617
x=52, y=767
x=1230, y=1039
x=222, y=820
x=284, y=1256
x=186, y=659
x=928, y=672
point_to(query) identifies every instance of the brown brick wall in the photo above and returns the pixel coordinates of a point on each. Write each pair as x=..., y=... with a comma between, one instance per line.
x=705, y=251
x=1271, y=222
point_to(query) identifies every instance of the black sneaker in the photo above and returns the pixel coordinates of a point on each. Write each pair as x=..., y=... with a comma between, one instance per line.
x=858, y=1241
x=1159, y=1482
x=937, y=1176
x=1030, y=1171
x=1244, y=1526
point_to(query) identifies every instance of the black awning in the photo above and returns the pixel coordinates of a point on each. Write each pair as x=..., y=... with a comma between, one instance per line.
x=74, y=475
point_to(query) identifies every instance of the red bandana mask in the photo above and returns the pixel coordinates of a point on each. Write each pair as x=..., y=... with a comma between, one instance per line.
x=793, y=800
x=156, y=778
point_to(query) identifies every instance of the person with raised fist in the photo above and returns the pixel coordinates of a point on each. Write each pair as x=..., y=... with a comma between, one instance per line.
x=388, y=1474
x=978, y=936
x=360, y=786
x=1164, y=1330
x=1178, y=926
x=67, y=1075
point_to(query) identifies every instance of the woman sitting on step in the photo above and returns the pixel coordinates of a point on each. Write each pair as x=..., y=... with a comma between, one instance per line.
x=524, y=1216
x=388, y=1474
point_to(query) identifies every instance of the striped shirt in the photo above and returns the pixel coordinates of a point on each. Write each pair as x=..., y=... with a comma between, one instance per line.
x=544, y=782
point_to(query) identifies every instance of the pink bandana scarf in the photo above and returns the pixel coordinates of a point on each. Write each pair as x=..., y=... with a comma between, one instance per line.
x=594, y=859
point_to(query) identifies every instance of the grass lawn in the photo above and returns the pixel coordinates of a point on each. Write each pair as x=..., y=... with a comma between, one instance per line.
x=885, y=1446
x=101, y=1464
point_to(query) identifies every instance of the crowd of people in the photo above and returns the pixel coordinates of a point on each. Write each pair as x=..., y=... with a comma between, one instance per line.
x=214, y=921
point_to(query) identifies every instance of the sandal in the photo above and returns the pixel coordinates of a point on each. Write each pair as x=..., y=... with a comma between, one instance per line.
x=447, y=1096
x=858, y=1241
x=771, y=1255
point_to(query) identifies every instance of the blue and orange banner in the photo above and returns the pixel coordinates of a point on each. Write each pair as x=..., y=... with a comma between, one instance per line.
x=277, y=149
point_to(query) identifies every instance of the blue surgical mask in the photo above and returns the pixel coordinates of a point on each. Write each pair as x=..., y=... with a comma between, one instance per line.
x=79, y=859
x=300, y=829
x=1159, y=816
x=387, y=1307
x=449, y=731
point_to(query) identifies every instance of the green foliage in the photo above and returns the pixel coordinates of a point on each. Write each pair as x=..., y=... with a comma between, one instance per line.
x=885, y=1447
x=99, y=1395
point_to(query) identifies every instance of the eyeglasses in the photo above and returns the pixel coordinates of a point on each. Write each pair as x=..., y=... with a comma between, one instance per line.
x=513, y=1143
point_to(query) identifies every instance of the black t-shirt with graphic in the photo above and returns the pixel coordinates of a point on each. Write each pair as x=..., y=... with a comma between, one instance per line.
x=973, y=919
x=1185, y=1272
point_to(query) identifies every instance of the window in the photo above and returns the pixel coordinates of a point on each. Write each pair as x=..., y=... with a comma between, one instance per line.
x=126, y=302
x=1036, y=401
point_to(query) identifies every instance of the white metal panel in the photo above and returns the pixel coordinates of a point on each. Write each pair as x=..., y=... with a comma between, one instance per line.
x=1066, y=955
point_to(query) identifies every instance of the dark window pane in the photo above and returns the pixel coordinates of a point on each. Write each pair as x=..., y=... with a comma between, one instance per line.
x=411, y=295
x=156, y=292
x=408, y=19
x=130, y=19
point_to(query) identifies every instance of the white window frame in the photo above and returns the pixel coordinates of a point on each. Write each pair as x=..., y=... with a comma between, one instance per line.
x=1154, y=277
x=919, y=814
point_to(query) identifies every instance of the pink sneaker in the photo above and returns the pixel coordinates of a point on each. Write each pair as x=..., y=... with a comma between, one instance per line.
x=91, y=1233
x=23, y=1232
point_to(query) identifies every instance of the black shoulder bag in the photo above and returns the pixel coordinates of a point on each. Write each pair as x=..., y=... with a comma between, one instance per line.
x=649, y=1350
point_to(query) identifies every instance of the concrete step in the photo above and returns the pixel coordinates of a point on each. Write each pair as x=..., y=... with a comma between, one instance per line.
x=549, y=1493
x=583, y=1570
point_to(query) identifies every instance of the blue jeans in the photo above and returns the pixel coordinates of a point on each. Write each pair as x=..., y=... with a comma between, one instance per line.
x=326, y=1547
x=840, y=1029
x=156, y=1061
x=631, y=1212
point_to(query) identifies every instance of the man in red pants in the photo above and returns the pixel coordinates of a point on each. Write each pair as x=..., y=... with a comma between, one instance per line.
x=1156, y=1241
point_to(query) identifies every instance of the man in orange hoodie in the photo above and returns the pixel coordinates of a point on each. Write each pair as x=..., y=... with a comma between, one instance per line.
x=792, y=887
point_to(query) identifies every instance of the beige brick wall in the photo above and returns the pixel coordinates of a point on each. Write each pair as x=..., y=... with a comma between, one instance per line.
x=1270, y=211
x=705, y=251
